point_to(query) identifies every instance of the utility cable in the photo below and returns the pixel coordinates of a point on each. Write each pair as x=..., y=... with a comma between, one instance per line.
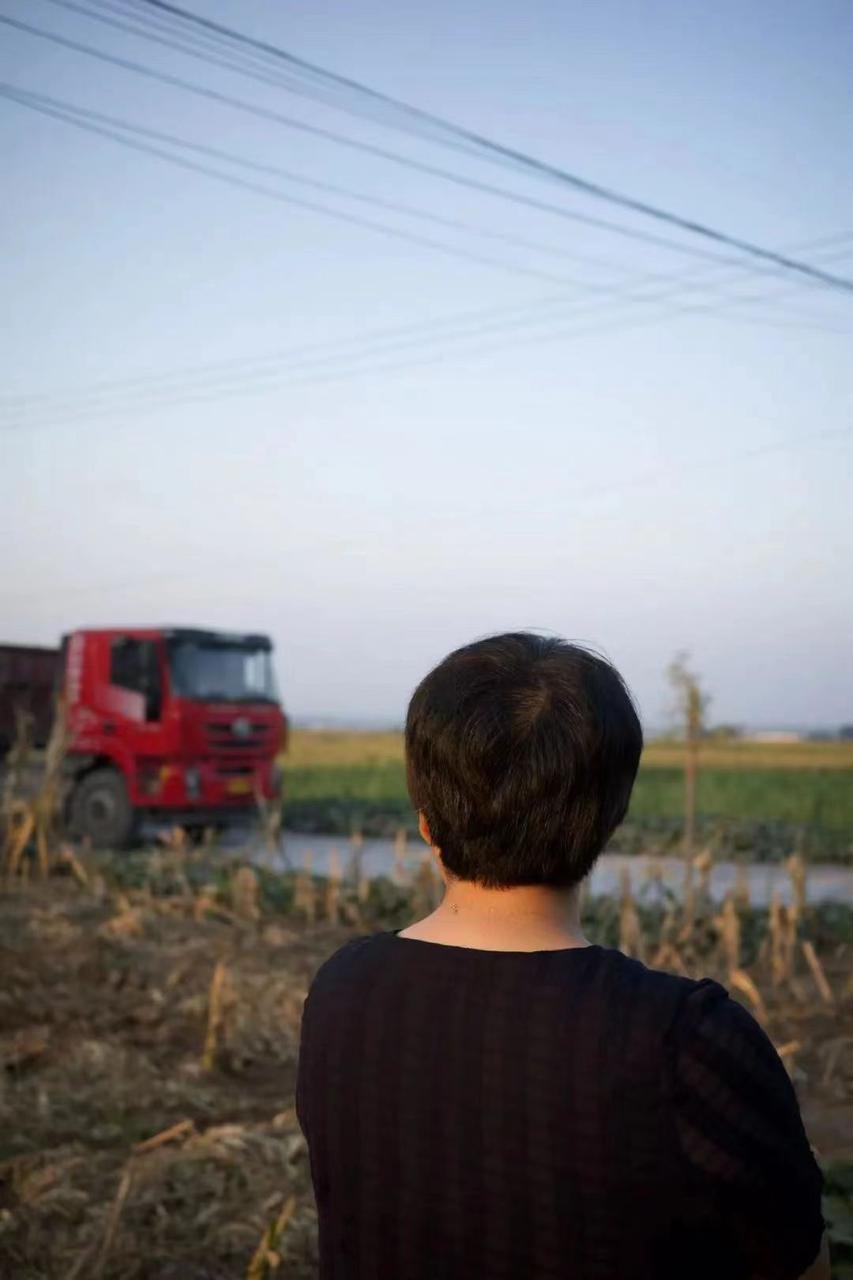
x=276, y=81
x=527, y=162
x=27, y=97
x=63, y=109
x=453, y=328
x=505, y=193
x=411, y=237
x=313, y=372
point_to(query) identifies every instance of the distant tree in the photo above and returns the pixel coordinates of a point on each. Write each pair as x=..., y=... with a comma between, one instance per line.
x=845, y=733
x=691, y=705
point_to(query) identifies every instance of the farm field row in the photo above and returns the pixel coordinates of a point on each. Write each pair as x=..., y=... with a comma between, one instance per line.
x=351, y=747
x=760, y=800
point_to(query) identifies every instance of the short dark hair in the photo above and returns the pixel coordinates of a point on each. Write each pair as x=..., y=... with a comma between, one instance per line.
x=521, y=753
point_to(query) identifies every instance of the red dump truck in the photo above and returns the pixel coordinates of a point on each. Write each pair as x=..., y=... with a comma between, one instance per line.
x=178, y=724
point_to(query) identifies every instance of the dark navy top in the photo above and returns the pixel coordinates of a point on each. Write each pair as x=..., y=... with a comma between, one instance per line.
x=546, y=1115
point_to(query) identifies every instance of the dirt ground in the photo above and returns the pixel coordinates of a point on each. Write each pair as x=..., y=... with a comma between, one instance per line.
x=122, y=1018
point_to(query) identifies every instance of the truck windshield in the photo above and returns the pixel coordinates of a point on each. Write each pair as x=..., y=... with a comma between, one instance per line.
x=221, y=672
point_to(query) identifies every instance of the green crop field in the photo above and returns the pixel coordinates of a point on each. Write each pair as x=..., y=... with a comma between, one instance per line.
x=755, y=799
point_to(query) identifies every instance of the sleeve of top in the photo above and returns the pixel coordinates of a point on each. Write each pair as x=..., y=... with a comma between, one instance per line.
x=303, y=1070
x=739, y=1127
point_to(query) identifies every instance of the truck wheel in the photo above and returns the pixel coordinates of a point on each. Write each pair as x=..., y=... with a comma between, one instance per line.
x=101, y=810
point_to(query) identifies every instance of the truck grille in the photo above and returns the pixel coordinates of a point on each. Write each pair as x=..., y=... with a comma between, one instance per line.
x=255, y=737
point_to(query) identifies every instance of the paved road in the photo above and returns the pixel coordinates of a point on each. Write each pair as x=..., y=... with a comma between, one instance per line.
x=647, y=874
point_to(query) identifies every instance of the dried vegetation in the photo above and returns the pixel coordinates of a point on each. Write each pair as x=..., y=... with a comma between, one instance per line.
x=149, y=1024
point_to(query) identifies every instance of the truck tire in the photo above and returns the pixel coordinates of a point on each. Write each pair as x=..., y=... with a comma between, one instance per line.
x=101, y=810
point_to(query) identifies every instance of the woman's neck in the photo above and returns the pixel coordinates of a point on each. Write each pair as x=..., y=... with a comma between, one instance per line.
x=521, y=918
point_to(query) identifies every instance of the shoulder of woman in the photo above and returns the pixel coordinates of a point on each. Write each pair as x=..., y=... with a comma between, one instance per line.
x=741, y=1135
x=338, y=966
x=737, y=1111
x=715, y=1032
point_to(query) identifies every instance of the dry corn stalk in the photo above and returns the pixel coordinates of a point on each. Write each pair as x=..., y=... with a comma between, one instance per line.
x=398, y=873
x=653, y=870
x=354, y=863
x=782, y=937
x=267, y=1257
x=669, y=957
x=271, y=815
x=741, y=890
x=88, y=1267
x=689, y=902
x=304, y=897
x=667, y=936
x=116, y=1208
x=630, y=931
x=20, y=823
x=69, y=858
x=16, y=761
x=48, y=801
x=215, y=1015
x=831, y=1052
x=245, y=891
x=42, y=840
x=703, y=862
x=727, y=925
x=17, y=815
x=787, y=1053
x=126, y=923
x=180, y=1130
x=741, y=981
x=792, y=932
x=820, y=978
x=205, y=901
x=798, y=873
x=175, y=840
x=333, y=889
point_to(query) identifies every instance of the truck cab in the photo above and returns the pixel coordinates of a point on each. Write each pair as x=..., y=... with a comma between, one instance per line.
x=180, y=724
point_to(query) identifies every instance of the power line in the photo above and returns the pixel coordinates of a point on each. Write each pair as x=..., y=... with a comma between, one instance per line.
x=22, y=96
x=504, y=153
x=311, y=372
x=63, y=109
x=218, y=377
x=213, y=32
x=165, y=392
x=452, y=326
x=249, y=365
x=276, y=80
x=412, y=237
x=533, y=321
x=66, y=111
x=265, y=113
x=255, y=64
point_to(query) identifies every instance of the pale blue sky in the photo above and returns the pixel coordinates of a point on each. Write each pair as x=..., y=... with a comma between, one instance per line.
x=671, y=479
